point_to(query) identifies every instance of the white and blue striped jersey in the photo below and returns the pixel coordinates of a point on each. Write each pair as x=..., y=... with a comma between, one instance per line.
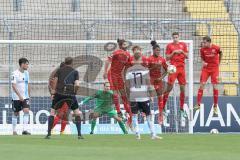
x=21, y=80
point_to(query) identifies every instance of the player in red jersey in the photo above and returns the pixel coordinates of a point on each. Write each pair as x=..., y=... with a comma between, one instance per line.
x=176, y=53
x=158, y=69
x=117, y=63
x=211, y=55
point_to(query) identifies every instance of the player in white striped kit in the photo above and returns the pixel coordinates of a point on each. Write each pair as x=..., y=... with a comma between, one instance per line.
x=139, y=90
x=20, y=95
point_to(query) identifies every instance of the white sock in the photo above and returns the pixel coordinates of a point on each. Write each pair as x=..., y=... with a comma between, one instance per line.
x=25, y=121
x=135, y=123
x=150, y=125
x=14, y=122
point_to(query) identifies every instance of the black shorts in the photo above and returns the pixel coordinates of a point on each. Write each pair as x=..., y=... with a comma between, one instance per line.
x=59, y=99
x=18, y=105
x=144, y=107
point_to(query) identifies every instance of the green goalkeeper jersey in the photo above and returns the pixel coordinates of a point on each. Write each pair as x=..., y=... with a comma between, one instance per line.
x=104, y=100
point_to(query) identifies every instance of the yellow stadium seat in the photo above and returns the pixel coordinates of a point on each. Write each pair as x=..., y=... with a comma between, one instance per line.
x=230, y=89
x=205, y=6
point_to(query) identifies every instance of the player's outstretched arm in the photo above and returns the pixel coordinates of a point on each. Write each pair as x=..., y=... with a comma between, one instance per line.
x=88, y=99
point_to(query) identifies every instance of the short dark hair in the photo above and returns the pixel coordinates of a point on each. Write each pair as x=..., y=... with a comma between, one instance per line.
x=120, y=41
x=136, y=47
x=207, y=38
x=175, y=33
x=68, y=60
x=23, y=61
x=154, y=45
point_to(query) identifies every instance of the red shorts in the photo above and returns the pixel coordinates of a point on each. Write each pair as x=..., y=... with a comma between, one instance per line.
x=207, y=72
x=116, y=81
x=180, y=75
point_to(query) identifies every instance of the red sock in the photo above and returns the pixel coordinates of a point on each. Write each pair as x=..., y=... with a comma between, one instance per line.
x=127, y=108
x=160, y=103
x=63, y=125
x=182, y=98
x=199, y=96
x=116, y=102
x=215, y=96
x=56, y=119
x=125, y=103
x=165, y=98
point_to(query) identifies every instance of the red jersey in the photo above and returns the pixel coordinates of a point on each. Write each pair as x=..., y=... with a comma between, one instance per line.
x=177, y=59
x=211, y=55
x=144, y=61
x=119, y=59
x=155, y=65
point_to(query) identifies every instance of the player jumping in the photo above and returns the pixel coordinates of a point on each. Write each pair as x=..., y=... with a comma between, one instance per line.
x=118, y=62
x=20, y=95
x=139, y=91
x=104, y=101
x=177, y=52
x=156, y=65
x=211, y=55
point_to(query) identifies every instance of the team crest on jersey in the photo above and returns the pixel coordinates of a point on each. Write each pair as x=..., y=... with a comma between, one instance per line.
x=27, y=101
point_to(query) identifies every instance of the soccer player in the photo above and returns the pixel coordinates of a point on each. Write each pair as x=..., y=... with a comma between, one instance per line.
x=158, y=68
x=67, y=84
x=118, y=62
x=176, y=53
x=211, y=55
x=63, y=111
x=139, y=91
x=21, y=95
x=104, y=101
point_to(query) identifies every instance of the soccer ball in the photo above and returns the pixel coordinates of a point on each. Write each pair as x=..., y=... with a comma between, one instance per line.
x=171, y=69
x=214, y=131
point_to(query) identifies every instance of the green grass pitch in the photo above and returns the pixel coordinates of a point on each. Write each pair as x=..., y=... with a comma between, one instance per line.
x=121, y=147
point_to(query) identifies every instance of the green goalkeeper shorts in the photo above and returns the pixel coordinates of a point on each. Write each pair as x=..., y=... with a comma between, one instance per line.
x=110, y=113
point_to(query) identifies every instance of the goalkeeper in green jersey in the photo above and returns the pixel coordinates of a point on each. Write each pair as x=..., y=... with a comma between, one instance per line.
x=104, y=102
